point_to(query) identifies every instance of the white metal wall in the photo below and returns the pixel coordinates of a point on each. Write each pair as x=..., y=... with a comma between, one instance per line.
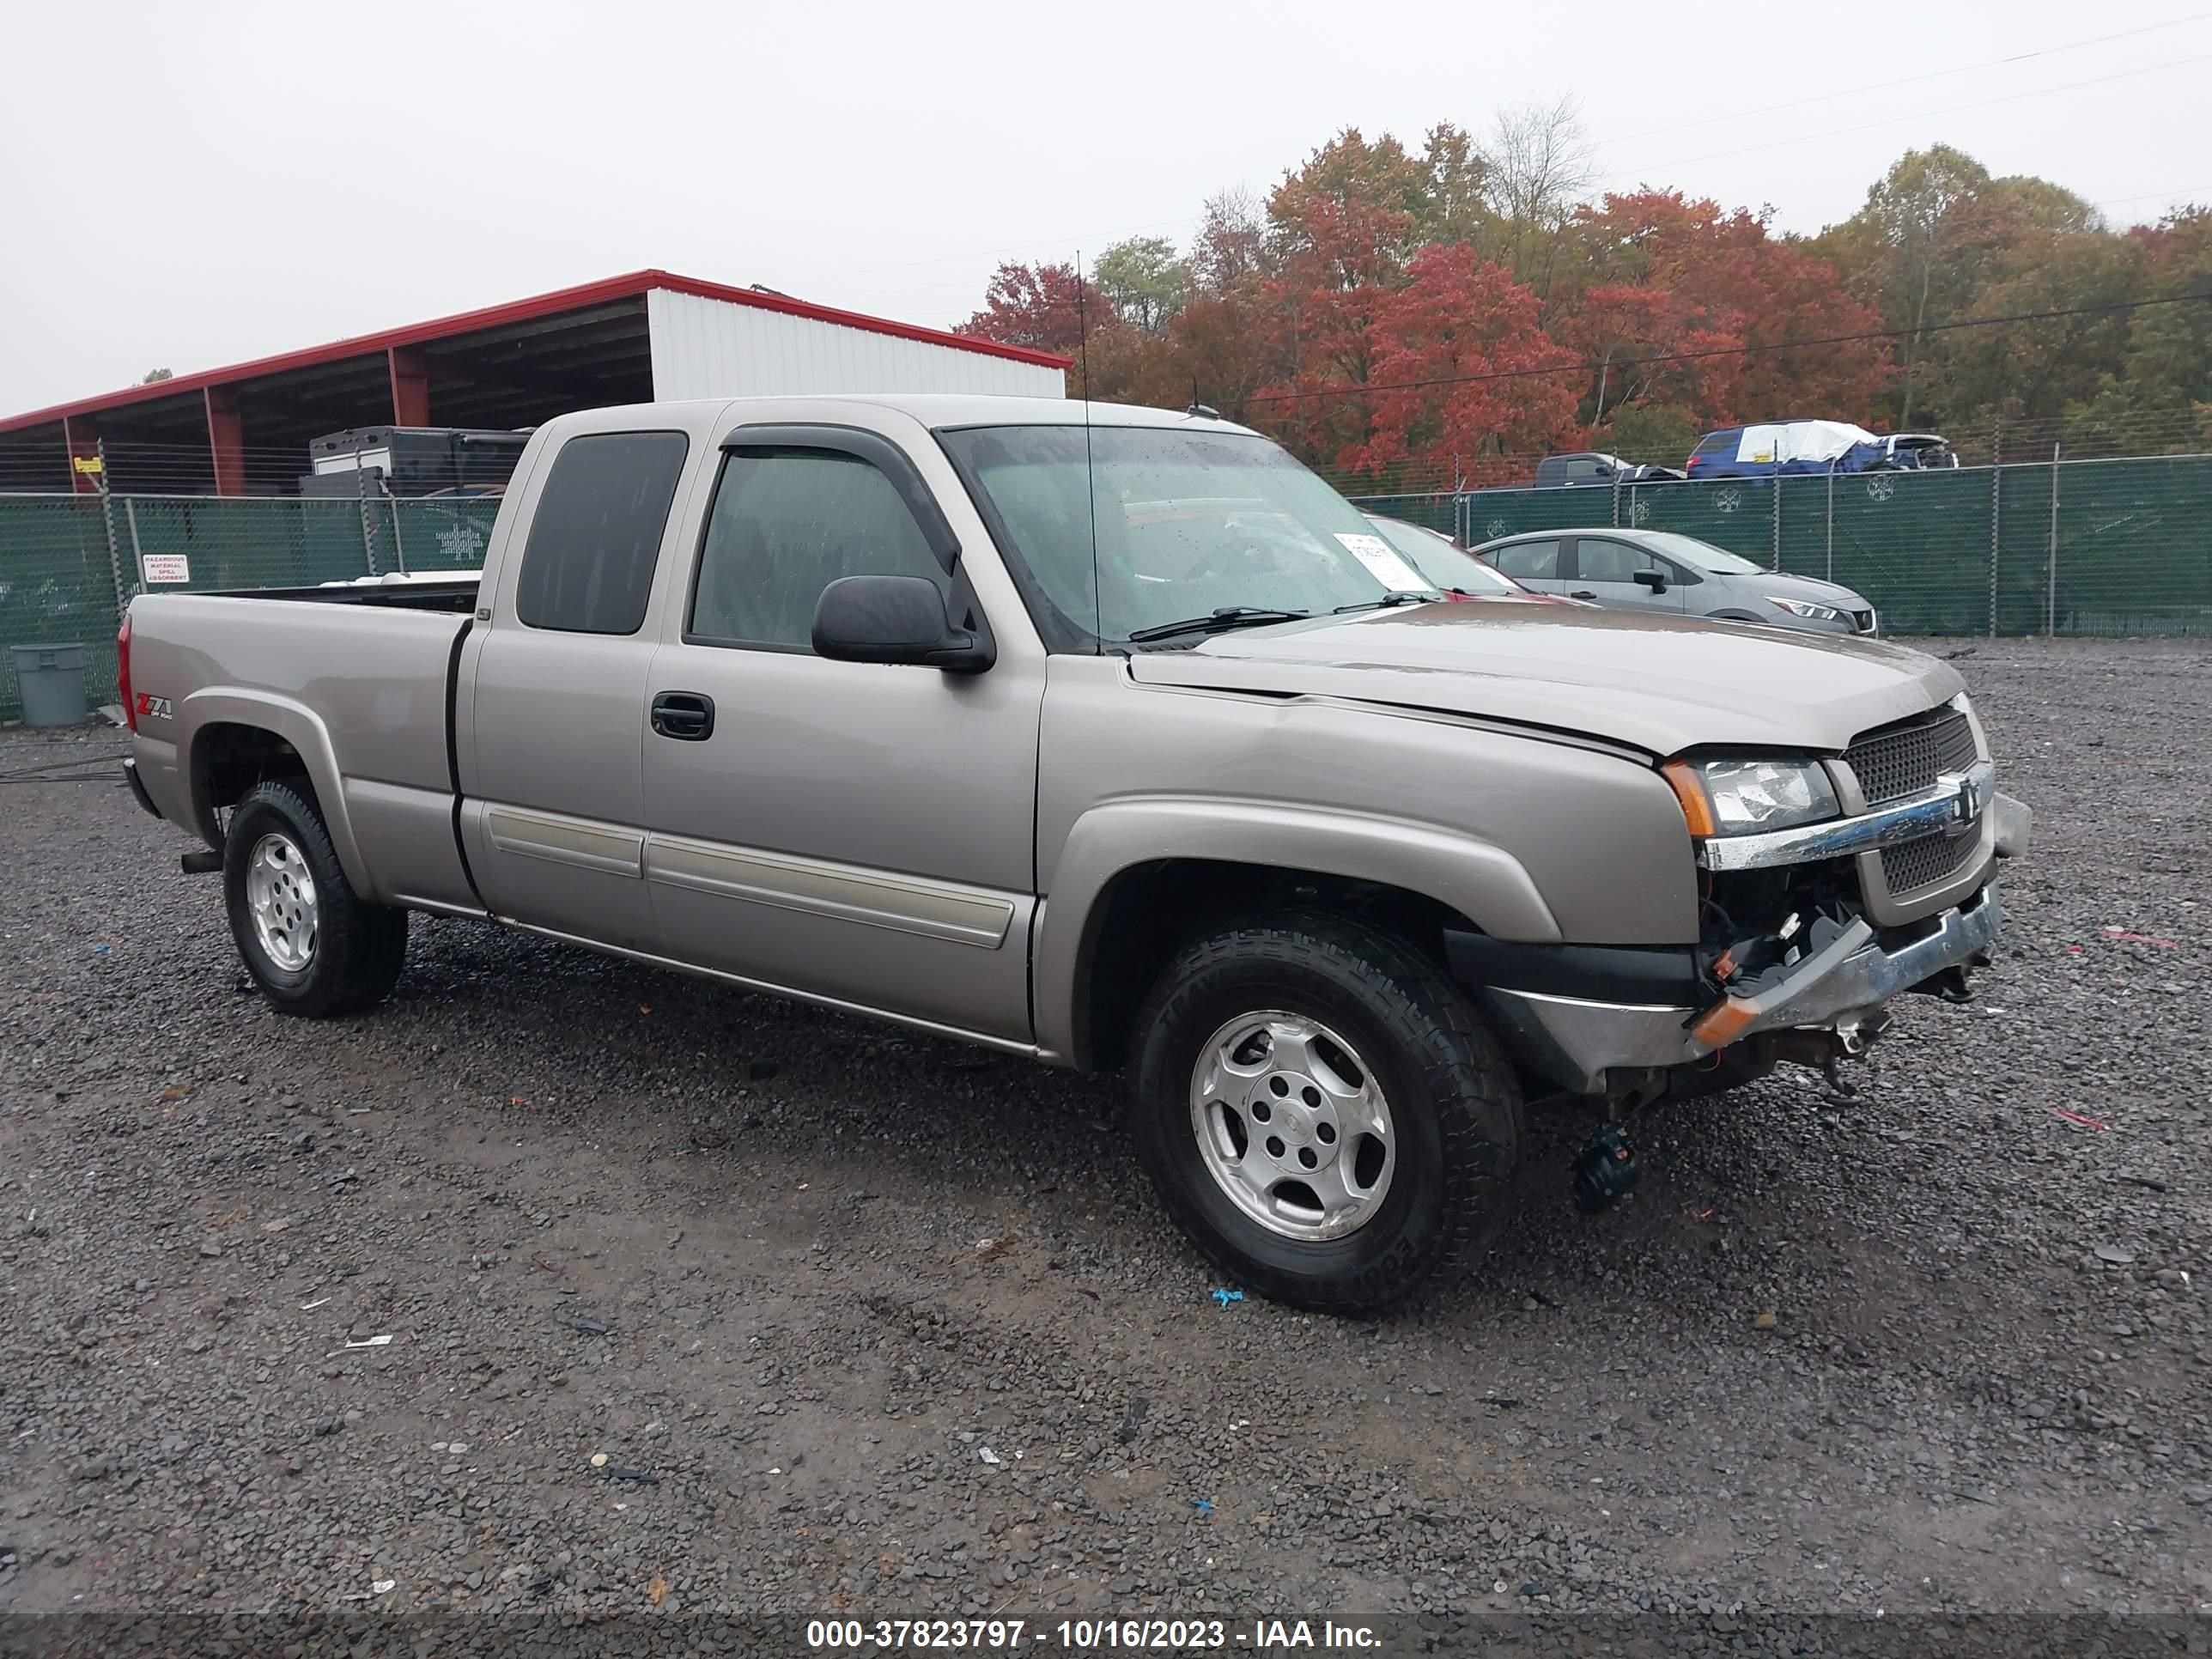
x=718, y=349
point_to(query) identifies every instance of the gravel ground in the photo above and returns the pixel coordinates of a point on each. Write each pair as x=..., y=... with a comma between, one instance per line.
x=863, y=1322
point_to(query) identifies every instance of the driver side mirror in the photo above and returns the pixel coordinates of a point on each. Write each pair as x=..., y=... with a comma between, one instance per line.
x=1654, y=579
x=894, y=619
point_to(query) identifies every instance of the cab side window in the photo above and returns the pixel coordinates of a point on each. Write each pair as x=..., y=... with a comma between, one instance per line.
x=595, y=533
x=787, y=523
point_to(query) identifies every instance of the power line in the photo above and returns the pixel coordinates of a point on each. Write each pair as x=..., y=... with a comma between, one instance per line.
x=2147, y=195
x=1907, y=81
x=1893, y=120
x=1725, y=351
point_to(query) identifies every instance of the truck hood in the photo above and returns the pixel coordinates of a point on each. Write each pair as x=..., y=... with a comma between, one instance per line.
x=1660, y=684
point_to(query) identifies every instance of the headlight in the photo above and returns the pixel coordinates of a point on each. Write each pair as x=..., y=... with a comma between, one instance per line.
x=1738, y=797
x=1805, y=608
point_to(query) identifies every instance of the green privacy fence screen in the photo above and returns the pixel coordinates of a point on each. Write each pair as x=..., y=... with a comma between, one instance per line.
x=2110, y=548
x=2105, y=547
x=59, y=586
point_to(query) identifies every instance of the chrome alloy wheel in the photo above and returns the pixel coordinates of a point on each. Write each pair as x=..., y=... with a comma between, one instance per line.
x=1292, y=1125
x=280, y=892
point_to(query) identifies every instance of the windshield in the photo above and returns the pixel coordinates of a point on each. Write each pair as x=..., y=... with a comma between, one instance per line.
x=1436, y=558
x=1187, y=523
x=1700, y=556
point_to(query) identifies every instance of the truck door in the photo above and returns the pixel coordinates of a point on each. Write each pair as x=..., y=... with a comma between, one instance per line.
x=550, y=719
x=854, y=832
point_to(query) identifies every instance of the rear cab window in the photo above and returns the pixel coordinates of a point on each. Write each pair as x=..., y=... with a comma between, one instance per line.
x=596, y=530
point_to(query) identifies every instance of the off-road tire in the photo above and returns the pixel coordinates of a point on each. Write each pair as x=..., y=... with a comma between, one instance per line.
x=360, y=947
x=1455, y=1104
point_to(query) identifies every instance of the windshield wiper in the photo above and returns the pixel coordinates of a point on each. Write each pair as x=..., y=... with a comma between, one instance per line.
x=1215, y=622
x=1386, y=602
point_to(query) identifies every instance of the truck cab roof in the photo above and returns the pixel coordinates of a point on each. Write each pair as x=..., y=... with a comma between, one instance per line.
x=934, y=410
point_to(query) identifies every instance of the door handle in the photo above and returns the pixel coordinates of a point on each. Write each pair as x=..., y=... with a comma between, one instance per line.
x=1582, y=593
x=687, y=716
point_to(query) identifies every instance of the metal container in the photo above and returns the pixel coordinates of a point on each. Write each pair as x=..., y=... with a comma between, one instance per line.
x=51, y=680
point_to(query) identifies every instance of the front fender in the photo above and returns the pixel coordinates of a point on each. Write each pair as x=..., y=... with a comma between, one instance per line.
x=1476, y=879
x=299, y=725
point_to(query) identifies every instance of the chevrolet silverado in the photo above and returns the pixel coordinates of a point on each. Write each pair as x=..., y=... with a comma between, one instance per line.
x=1108, y=737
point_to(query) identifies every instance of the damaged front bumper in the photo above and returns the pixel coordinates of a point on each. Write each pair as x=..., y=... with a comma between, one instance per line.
x=1837, y=993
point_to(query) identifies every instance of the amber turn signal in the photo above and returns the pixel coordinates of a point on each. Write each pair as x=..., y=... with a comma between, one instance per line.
x=1723, y=1022
x=1690, y=789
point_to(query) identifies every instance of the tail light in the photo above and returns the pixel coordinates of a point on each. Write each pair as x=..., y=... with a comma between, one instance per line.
x=1692, y=462
x=123, y=673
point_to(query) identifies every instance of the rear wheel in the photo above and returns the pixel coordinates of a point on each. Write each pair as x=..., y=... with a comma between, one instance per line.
x=1322, y=1111
x=315, y=947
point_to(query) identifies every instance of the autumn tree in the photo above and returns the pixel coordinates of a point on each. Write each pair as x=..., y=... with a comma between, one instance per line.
x=1535, y=167
x=2042, y=256
x=1461, y=369
x=1456, y=204
x=1230, y=250
x=1374, y=309
x=1043, y=306
x=1910, y=252
x=2160, y=393
x=1342, y=229
x=1146, y=280
x=1678, y=303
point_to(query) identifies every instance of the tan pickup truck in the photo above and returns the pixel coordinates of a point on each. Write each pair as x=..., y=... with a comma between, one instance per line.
x=1109, y=737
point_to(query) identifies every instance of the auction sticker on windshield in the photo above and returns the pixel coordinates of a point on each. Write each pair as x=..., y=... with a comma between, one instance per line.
x=1383, y=563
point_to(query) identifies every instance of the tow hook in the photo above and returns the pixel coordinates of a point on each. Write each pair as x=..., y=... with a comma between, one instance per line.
x=1826, y=1050
x=1604, y=1171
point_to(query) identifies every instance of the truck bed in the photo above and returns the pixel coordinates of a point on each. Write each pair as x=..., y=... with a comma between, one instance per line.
x=356, y=680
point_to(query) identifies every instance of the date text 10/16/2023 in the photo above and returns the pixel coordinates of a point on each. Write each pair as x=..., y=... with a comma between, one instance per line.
x=1093, y=1635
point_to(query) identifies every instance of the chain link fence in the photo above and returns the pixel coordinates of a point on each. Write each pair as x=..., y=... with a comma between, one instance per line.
x=58, y=585
x=2101, y=547
x=2087, y=546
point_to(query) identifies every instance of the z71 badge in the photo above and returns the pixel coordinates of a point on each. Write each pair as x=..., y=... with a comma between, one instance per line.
x=150, y=705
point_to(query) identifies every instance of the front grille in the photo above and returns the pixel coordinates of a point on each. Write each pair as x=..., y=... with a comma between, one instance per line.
x=1927, y=862
x=1908, y=758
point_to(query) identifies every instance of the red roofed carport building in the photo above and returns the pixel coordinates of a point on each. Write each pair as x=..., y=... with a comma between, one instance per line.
x=246, y=429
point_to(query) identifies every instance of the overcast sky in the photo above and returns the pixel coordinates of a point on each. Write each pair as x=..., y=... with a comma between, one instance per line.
x=187, y=186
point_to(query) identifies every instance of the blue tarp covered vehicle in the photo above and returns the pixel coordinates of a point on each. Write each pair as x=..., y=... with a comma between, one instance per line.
x=1790, y=446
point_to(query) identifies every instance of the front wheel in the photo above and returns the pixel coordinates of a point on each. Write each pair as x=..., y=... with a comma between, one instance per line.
x=1322, y=1111
x=315, y=947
